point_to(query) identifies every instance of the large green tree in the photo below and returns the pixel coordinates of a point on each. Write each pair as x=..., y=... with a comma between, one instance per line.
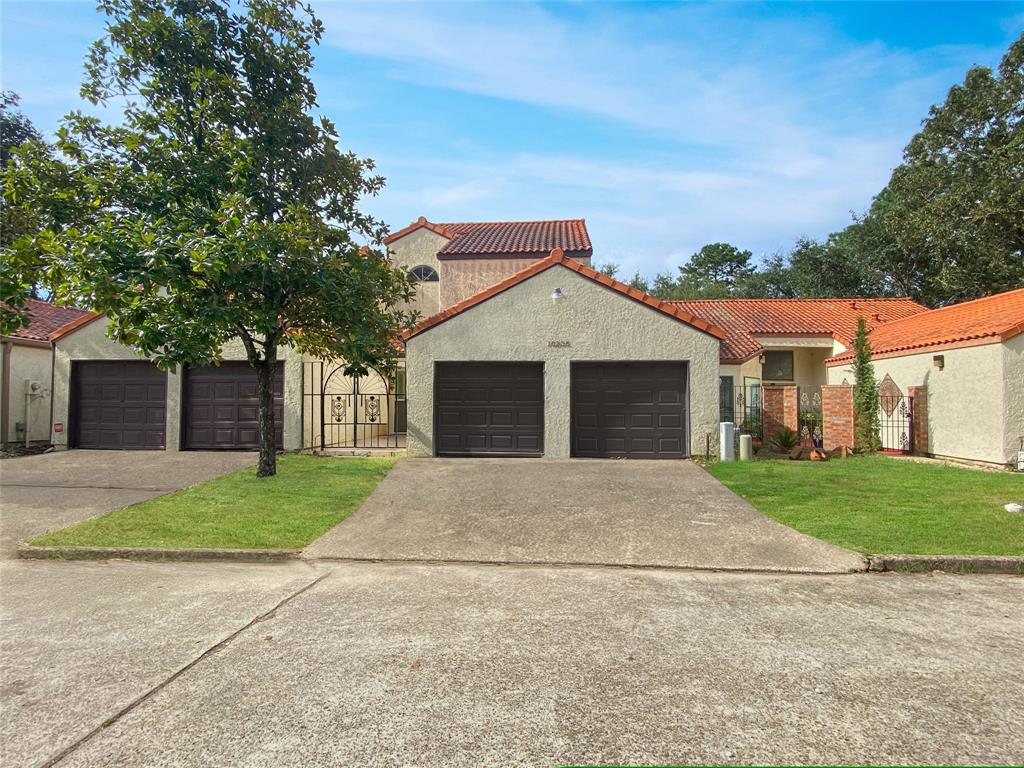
x=16, y=283
x=219, y=208
x=955, y=207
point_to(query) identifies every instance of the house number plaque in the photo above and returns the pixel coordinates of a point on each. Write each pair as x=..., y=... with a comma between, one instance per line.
x=558, y=343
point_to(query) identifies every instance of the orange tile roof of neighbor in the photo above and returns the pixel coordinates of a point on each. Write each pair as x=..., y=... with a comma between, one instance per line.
x=555, y=258
x=481, y=239
x=983, y=321
x=46, y=319
x=743, y=319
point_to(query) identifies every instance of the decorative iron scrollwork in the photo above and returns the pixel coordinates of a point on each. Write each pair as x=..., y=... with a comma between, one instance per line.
x=338, y=409
x=372, y=409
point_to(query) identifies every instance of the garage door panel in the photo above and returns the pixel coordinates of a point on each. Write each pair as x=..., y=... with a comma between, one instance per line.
x=488, y=408
x=629, y=409
x=221, y=408
x=117, y=404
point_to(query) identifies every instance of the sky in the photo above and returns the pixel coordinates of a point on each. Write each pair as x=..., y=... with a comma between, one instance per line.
x=666, y=126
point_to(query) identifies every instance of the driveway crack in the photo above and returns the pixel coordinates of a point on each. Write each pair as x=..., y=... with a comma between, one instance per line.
x=215, y=648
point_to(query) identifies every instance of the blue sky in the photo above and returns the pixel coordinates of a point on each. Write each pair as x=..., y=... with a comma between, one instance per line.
x=666, y=126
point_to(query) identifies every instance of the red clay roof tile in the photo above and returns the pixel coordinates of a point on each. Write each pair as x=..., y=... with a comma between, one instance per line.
x=743, y=319
x=481, y=239
x=982, y=321
x=46, y=319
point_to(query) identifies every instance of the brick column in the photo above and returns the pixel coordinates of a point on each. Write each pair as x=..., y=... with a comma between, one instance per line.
x=779, y=408
x=919, y=399
x=837, y=416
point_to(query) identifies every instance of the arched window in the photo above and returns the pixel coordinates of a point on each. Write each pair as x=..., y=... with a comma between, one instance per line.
x=423, y=274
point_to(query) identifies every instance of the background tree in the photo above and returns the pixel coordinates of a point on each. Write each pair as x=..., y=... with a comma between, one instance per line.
x=717, y=268
x=957, y=201
x=867, y=429
x=17, y=277
x=219, y=209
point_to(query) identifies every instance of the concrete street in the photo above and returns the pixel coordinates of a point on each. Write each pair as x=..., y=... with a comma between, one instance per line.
x=448, y=665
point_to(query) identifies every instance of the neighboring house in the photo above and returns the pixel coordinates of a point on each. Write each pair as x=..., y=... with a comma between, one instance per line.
x=26, y=373
x=970, y=357
x=785, y=341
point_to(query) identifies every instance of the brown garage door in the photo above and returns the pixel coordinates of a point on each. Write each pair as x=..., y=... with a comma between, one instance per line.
x=221, y=408
x=632, y=410
x=489, y=409
x=117, y=405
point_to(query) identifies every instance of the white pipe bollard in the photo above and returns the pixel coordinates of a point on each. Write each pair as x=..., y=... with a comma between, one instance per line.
x=746, y=447
x=726, y=449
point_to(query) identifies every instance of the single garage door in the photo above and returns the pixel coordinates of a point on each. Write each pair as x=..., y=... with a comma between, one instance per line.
x=632, y=410
x=118, y=405
x=489, y=409
x=221, y=409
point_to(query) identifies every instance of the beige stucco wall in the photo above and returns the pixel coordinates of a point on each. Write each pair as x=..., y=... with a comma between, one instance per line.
x=420, y=247
x=33, y=363
x=90, y=342
x=969, y=411
x=462, y=278
x=1013, y=394
x=598, y=323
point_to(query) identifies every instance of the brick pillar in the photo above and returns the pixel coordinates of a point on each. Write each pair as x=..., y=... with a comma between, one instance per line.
x=779, y=408
x=919, y=403
x=837, y=416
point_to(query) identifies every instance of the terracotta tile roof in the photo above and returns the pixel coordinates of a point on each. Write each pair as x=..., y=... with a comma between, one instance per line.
x=558, y=258
x=502, y=238
x=743, y=319
x=983, y=321
x=46, y=319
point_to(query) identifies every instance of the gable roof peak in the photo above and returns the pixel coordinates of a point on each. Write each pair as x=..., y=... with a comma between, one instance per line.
x=557, y=257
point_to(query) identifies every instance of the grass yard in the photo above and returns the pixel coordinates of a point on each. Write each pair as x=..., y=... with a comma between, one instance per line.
x=308, y=496
x=883, y=505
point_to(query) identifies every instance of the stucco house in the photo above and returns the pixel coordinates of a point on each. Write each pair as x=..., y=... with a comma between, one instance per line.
x=522, y=349
x=774, y=342
x=26, y=373
x=107, y=397
x=968, y=361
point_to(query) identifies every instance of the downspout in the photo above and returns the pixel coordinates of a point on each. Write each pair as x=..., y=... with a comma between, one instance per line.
x=53, y=380
x=5, y=393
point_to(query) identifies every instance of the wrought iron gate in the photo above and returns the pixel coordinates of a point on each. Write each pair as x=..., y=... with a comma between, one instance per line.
x=741, y=404
x=809, y=417
x=896, y=423
x=343, y=411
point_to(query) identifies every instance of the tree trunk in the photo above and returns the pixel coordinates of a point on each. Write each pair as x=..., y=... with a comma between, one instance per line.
x=266, y=372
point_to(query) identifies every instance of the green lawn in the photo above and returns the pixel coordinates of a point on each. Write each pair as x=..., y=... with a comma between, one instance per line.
x=308, y=496
x=883, y=505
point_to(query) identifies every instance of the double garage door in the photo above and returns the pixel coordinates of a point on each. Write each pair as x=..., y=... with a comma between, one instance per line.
x=618, y=410
x=121, y=405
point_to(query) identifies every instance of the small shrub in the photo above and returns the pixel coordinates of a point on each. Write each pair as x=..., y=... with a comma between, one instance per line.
x=785, y=439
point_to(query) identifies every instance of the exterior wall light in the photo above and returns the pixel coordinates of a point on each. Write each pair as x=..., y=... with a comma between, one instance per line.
x=557, y=295
x=760, y=359
x=939, y=361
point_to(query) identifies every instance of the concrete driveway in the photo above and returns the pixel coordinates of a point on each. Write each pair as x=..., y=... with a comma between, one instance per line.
x=637, y=513
x=48, y=491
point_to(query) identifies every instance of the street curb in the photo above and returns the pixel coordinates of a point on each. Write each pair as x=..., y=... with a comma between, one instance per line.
x=947, y=563
x=569, y=565
x=29, y=552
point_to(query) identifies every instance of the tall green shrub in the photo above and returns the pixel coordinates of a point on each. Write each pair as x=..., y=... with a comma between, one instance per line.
x=865, y=393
